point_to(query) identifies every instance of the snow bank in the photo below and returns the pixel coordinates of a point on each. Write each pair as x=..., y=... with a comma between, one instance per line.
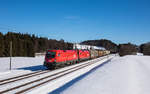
x=122, y=75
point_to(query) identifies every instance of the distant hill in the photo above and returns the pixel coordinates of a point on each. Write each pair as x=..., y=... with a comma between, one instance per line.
x=109, y=45
x=145, y=48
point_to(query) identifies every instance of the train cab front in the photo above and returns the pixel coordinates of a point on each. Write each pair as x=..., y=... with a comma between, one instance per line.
x=50, y=59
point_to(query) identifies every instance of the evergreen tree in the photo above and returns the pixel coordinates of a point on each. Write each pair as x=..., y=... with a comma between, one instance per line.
x=127, y=49
x=1, y=45
x=28, y=45
x=145, y=48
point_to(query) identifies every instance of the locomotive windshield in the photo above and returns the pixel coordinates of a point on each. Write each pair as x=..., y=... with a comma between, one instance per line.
x=50, y=54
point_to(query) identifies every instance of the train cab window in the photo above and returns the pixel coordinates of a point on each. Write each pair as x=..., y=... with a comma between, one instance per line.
x=59, y=54
x=50, y=54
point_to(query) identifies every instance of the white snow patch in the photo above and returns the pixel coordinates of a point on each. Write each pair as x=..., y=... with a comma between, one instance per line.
x=20, y=65
x=123, y=75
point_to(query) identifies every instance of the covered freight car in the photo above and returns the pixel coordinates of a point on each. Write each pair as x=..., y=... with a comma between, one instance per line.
x=100, y=53
x=93, y=53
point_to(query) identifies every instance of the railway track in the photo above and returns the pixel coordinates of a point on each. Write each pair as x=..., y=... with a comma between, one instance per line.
x=17, y=78
x=24, y=76
x=24, y=87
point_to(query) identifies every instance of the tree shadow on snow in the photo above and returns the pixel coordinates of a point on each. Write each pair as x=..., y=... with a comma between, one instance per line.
x=34, y=68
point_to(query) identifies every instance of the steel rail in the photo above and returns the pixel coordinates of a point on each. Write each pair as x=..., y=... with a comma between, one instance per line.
x=22, y=91
x=21, y=76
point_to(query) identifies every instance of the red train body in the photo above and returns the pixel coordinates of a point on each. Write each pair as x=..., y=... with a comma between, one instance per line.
x=55, y=58
x=84, y=54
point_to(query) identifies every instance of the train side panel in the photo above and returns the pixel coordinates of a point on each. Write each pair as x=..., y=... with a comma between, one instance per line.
x=94, y=54
x=100, y=53
x=71, y=55
x=84, y=55
x=58, y=57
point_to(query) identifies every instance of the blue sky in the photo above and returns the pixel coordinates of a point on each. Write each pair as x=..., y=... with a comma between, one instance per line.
x=121, y=21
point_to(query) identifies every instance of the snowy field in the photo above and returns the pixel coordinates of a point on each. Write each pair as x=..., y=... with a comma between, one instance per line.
x=21, y=65
x=122, y=75
x=25, y=66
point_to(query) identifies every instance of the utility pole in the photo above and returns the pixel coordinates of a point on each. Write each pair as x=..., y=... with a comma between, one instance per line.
x=10, y=54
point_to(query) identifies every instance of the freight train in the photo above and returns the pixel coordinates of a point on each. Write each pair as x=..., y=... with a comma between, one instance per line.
x=57, y=58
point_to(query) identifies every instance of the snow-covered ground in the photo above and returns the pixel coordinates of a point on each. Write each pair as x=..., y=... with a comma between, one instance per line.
x=25, y=66
x=20, y=65
x=122, y=75
x=20, y=62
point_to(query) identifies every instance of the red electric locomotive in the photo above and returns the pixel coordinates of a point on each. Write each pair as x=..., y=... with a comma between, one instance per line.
x=54, y=58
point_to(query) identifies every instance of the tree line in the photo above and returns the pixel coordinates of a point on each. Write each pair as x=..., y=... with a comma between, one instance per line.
x=28, y=45
x=122, y=49
x=145, y=48
x=127, y=49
